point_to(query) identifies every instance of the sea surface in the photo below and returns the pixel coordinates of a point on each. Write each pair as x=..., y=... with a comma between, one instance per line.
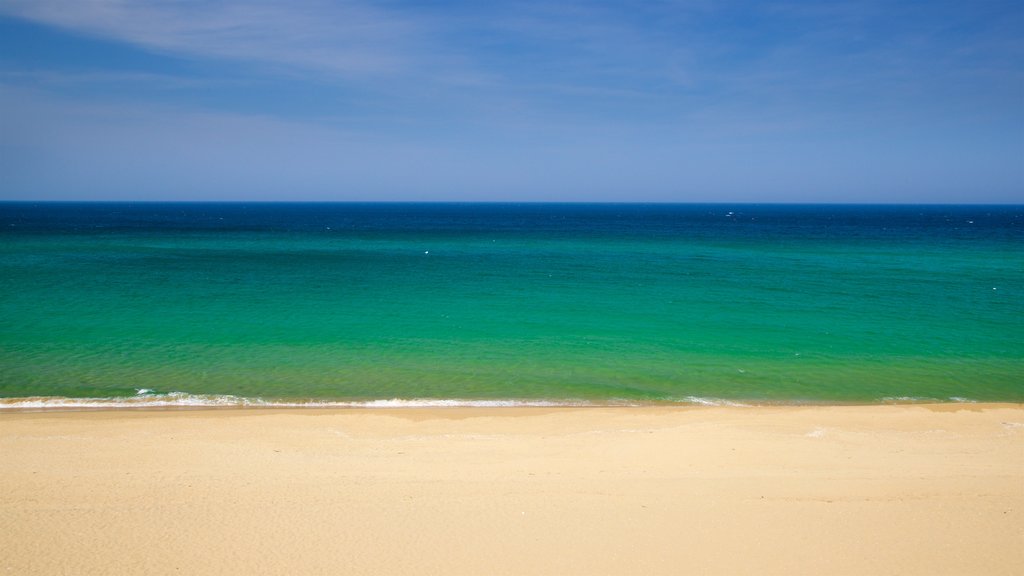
x=153, y=304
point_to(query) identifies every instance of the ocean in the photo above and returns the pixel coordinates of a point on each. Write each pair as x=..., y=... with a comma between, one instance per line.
x=393, y=304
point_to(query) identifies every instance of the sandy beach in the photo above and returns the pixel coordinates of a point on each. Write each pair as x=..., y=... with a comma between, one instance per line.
x=917, y=489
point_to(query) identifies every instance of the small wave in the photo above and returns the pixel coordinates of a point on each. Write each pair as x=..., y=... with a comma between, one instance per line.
x=925, y=399
x=702, y=401
x=910, y=399
x=456, y=402
x=146, y=398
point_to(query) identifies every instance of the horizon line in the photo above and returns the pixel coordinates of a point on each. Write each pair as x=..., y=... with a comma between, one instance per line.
x=496, y=202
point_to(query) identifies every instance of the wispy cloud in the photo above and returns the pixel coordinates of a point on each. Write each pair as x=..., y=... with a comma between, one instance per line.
x=101, y=79
x=344, y=38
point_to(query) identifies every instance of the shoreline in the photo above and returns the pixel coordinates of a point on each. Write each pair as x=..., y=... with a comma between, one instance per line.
x=908, y=489
x=186, y=401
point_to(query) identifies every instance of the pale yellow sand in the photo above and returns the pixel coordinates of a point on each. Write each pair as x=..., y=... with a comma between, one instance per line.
x=793, y=490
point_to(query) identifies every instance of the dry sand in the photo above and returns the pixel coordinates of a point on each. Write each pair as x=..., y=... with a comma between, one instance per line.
x=778, y=490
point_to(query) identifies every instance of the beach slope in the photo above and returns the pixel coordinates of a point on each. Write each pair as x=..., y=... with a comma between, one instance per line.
x=922, y=489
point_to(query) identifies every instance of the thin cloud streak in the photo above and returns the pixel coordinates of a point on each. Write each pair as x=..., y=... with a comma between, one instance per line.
x=343, y=38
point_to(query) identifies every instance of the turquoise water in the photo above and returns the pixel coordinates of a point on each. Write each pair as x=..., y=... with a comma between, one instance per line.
x=593, y=303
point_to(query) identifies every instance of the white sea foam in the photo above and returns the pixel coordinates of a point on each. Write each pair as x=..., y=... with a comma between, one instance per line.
x=924, y=399
x=457, y=402
x=144, y=399
x=712, y=401
x=147, y=398
x=910, y=399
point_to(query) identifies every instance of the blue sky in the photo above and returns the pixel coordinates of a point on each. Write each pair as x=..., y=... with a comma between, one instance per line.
x=686, y=100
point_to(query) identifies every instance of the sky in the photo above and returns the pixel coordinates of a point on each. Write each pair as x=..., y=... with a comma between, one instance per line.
x=402, y=100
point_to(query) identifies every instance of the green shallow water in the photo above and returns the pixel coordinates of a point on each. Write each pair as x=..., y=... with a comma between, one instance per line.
x=598, y=303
